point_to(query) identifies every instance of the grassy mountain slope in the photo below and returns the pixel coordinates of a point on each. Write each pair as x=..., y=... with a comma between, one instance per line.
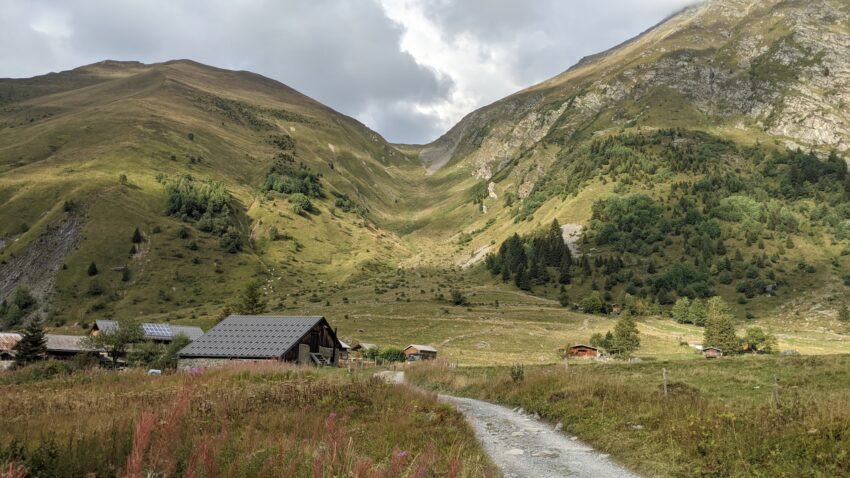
x=700, y=115
x=94, y=148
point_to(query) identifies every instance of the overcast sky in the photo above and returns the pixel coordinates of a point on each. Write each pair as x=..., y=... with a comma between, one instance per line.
x=408, y=69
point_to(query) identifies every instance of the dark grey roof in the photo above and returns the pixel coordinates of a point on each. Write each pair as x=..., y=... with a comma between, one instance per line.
x=251, y=336
x=156, y=331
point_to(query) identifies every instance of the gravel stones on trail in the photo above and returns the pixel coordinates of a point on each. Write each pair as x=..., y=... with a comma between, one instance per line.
x=523, y=446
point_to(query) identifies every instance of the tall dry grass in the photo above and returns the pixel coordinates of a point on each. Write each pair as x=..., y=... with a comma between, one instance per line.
x=244, y=421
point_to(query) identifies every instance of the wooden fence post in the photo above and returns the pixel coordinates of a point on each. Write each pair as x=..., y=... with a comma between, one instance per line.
x=776, y=390
x=566, y=364
x=664, y=377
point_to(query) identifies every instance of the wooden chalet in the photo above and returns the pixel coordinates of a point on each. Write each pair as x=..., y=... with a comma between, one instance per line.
x=302, y=340
x=712, y=352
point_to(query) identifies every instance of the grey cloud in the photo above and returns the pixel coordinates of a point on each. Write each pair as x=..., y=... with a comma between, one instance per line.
x=343, y=53
x=551, y=35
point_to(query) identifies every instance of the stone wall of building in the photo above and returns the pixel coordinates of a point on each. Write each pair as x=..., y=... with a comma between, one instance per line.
x=187, y=363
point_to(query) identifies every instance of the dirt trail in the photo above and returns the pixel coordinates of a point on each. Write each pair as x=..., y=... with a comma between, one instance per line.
x=523, y=446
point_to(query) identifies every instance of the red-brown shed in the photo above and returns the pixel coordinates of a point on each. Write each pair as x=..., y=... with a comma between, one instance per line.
x=414, y=352
x=712, y=352
x=581, y=350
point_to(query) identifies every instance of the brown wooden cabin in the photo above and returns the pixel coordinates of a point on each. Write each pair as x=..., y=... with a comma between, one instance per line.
x=414, y=352
x=581, y=350
x=712, y=352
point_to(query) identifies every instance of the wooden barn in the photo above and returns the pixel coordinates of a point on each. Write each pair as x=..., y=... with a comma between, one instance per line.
x=414, y=352
x=302, y=340
x=712, y=352
x=581, y=350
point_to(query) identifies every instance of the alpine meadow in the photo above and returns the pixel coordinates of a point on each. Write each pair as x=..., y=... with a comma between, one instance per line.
x=648, y=253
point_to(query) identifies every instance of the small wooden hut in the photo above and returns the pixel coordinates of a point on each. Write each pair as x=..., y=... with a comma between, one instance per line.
x=582, y=350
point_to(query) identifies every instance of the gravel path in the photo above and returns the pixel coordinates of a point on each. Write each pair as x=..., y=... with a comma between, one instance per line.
x=523, y=446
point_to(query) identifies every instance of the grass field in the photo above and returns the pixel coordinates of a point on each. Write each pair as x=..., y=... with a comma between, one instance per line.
x=252, y=420
x=720, y=418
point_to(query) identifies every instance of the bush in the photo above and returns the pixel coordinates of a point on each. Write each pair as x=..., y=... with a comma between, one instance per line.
x=231, y=241
x=207, y=202
x=94, y=288
x=300, y=204
x=392, y=354
x=517, y=373
x=37, y=372
x=592, y=303
x=289, y=179
x=145, y=354
x=458, y=298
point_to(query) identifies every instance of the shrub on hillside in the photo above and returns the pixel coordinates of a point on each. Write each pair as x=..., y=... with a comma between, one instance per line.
x=300, y=204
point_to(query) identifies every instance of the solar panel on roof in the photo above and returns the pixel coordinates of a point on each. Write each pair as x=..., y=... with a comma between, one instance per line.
x=158, y=330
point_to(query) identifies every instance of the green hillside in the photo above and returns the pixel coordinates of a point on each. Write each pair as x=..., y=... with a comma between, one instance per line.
x=707, y=156
x=194, y=157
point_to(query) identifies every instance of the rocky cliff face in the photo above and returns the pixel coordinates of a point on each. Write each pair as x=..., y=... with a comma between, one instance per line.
x=773, y=68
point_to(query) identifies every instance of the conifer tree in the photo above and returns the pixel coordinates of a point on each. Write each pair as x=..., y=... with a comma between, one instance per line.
x=252, y=302
x=522, y=281
x=720, y=328
x=585, y=266
x=32, y=346
x=92, y=270
x=563, y=297
x=534, y=271
x=564, y=270
x=137, y=236
x=506, y=272
x=554, y=244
